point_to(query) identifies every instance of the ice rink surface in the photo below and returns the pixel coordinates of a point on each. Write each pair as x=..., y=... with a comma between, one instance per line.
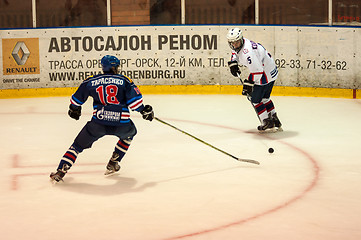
x=173, y=187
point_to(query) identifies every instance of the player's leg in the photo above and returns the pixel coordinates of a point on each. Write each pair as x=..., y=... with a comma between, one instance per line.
x=272, y=112
x=86, y=137
x=261, y=109
x=125, y=134
x=270, y=106
x=66, y=162
x=120, y=150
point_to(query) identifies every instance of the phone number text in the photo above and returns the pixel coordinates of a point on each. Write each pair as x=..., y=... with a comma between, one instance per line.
x=311, y=64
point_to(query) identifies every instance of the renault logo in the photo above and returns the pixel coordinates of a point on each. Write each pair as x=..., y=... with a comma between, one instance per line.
x=20, y=53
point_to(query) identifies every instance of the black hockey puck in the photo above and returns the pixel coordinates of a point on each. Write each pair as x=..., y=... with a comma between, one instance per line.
x=271, y=150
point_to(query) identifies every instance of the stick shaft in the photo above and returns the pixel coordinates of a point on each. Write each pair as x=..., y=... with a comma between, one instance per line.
x=249, y=99
x=209, y=145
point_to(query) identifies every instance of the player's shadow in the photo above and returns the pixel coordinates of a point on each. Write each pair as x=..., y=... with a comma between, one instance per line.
x=121, y=185
x=274, y=136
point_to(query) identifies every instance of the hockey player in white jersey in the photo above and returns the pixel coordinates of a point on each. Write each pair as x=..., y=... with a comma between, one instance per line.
x=263, y=73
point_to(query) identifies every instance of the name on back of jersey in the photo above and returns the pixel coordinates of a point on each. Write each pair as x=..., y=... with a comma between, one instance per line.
x=107, y=80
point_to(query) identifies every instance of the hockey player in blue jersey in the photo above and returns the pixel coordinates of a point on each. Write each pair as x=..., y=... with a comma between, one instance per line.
x=113, y=95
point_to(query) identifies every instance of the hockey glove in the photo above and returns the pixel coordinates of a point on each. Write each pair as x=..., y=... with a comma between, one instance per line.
x=74, y=111
x=147, y=113
x=247, y=87
x=233, y=65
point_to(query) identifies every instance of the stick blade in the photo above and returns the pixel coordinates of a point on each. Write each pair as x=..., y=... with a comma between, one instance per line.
x=248, y=160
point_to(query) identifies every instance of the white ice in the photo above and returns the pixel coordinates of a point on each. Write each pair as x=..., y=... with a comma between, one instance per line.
x=173, y=187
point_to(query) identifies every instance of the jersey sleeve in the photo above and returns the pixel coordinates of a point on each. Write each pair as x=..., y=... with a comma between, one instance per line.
x=234, y=56
x=134, y=98
x=81, y=95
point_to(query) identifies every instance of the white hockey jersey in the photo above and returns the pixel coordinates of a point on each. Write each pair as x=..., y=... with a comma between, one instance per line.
x=260, y=63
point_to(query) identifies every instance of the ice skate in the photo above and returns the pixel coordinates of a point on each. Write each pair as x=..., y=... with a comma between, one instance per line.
x=58, y=176
x=113, y=164
x=112, y=167
x=268, y=126
x=277, y=122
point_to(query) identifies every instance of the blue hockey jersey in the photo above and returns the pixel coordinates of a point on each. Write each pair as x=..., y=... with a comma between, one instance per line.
x=113, y=96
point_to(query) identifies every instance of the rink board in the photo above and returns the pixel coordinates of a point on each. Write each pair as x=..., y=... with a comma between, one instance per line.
x=192, y=89
x=311, y=57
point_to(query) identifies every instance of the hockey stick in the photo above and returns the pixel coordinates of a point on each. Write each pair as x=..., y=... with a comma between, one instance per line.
x=249, y=98
x=209, y=145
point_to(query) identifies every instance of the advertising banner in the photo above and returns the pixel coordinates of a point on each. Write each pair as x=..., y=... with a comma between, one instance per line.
x=176, y=55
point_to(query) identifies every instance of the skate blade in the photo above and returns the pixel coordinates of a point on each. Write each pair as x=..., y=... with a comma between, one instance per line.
x=271, y=130
x=268, y=130
x=107, y=172
x=53, y=181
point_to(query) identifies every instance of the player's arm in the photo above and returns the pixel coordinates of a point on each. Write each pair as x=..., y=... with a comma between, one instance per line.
x=147, y=113
x=74, y=111
x=233, y=65
x=247, y=87
x=135, y=101
x=76, y=100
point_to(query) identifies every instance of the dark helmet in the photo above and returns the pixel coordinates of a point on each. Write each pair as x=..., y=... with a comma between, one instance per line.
x=110, y=64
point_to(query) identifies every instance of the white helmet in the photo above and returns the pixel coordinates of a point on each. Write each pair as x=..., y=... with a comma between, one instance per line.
x=234, y=35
